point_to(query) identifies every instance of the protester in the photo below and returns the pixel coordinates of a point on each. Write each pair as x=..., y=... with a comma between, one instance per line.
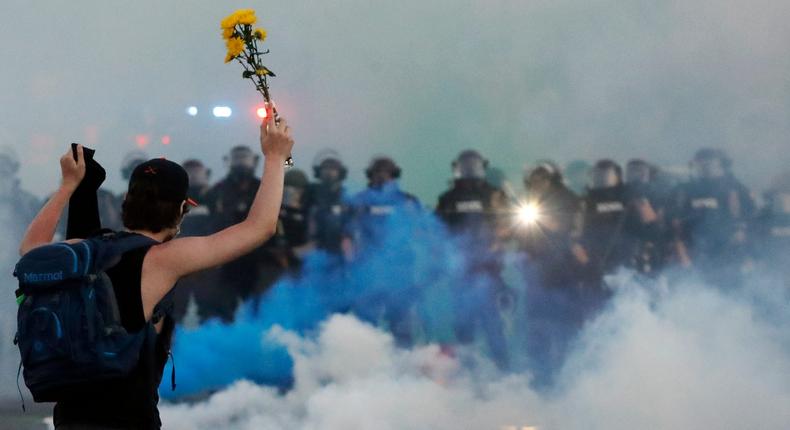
x=153, y=208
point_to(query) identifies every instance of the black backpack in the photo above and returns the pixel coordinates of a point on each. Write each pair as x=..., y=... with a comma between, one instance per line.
x=69, y=329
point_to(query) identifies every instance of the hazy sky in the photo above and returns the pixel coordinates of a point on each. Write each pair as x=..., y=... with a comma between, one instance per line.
x=420, y=80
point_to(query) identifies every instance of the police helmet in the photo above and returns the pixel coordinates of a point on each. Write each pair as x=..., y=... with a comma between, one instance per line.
x=470, y=164
x=131, y=160
x=383, y=163
x=543, y=169
x=194, y=163
x=606, y=173
x=704, y=163
x=238, y=153
x=329, y=158
x=296, y=178
x=638, y=170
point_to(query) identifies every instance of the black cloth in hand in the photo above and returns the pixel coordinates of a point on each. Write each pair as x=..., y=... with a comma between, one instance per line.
x=83, y=218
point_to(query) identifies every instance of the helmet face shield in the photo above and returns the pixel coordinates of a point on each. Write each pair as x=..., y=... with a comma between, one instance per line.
x=242, y=159
x=708, y=168
x=471, y=168
x=604, y=178
x=538, y=181
x=637, y=173
x=329, y=171
x=292, y=196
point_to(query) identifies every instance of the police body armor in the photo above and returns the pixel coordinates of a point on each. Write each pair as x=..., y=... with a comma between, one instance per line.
x=373, y=209
x=713, y=212
x=645, y=241
x=468, y=209
x=773, y=241
x=329, y=215
x=605, y=212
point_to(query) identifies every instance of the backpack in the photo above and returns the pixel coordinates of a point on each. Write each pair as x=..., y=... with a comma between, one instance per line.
x=69, y=328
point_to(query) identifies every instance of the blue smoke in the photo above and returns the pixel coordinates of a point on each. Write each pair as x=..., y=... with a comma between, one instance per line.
x=414, y=261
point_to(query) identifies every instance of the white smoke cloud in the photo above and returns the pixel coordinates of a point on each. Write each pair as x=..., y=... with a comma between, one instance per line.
x=687, y=356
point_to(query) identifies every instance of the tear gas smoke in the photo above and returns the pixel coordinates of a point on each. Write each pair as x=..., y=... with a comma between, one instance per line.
x=661, y=354
x=674, y=356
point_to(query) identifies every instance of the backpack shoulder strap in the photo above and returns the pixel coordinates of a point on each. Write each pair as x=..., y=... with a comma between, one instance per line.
x=109, y=247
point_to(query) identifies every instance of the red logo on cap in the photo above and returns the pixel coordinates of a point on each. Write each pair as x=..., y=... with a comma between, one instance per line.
x=150, y=170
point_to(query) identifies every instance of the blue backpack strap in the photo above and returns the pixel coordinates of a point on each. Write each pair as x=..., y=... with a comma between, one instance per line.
x=109, y=248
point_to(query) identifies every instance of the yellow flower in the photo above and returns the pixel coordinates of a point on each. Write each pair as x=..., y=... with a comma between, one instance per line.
x=241, y=16
x=259, y=34
x=228, y=22
x=229, y=58
x=263, y=71
x=246, y=17
x=235, y=47
x=227, y=33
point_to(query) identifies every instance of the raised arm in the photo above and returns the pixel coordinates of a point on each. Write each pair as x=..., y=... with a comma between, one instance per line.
x=42, y=229
x=183, y=256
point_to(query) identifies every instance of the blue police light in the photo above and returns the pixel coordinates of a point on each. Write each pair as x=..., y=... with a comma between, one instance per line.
x=222, y=111
x=192, y=110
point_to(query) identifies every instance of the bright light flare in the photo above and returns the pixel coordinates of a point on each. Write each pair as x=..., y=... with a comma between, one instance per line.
x=192, y=110
x=261, y=112
x=222, y=112
x=528, y=214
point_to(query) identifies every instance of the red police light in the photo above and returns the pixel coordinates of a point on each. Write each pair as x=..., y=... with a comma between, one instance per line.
x=142, y=140
x=261, y=112
x=165, y=140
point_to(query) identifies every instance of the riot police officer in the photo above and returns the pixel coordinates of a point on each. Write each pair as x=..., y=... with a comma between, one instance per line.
x=295, y=211
x=711, y=218
x=645, y=231
x=473, y=211
x=605, y=211
x=550, y=235
x=372, y=207
x=198, y=221
x=201, y=290
x=282, y=253
x=380, y=230
x=229, y=201
x=547, y=232
x=330, y=211
x=772, y=228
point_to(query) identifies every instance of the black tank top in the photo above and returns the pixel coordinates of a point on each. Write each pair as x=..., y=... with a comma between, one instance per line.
x=130, y=402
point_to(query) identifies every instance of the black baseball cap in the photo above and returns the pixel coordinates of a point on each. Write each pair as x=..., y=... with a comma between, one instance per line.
x=168, y=177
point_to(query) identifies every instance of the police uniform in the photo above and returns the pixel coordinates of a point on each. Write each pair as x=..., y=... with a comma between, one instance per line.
x=714, y=215
x=605, y=212
x=328, y=217
x=471, y=210
x=645, y=240
x=379, y=216
x=229, y=202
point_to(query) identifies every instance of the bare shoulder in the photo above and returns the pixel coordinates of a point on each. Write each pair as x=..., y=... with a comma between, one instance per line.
x=159, y=275
x=171, y=257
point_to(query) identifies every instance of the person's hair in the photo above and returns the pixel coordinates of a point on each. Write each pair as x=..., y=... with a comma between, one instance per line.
x=143, y=209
